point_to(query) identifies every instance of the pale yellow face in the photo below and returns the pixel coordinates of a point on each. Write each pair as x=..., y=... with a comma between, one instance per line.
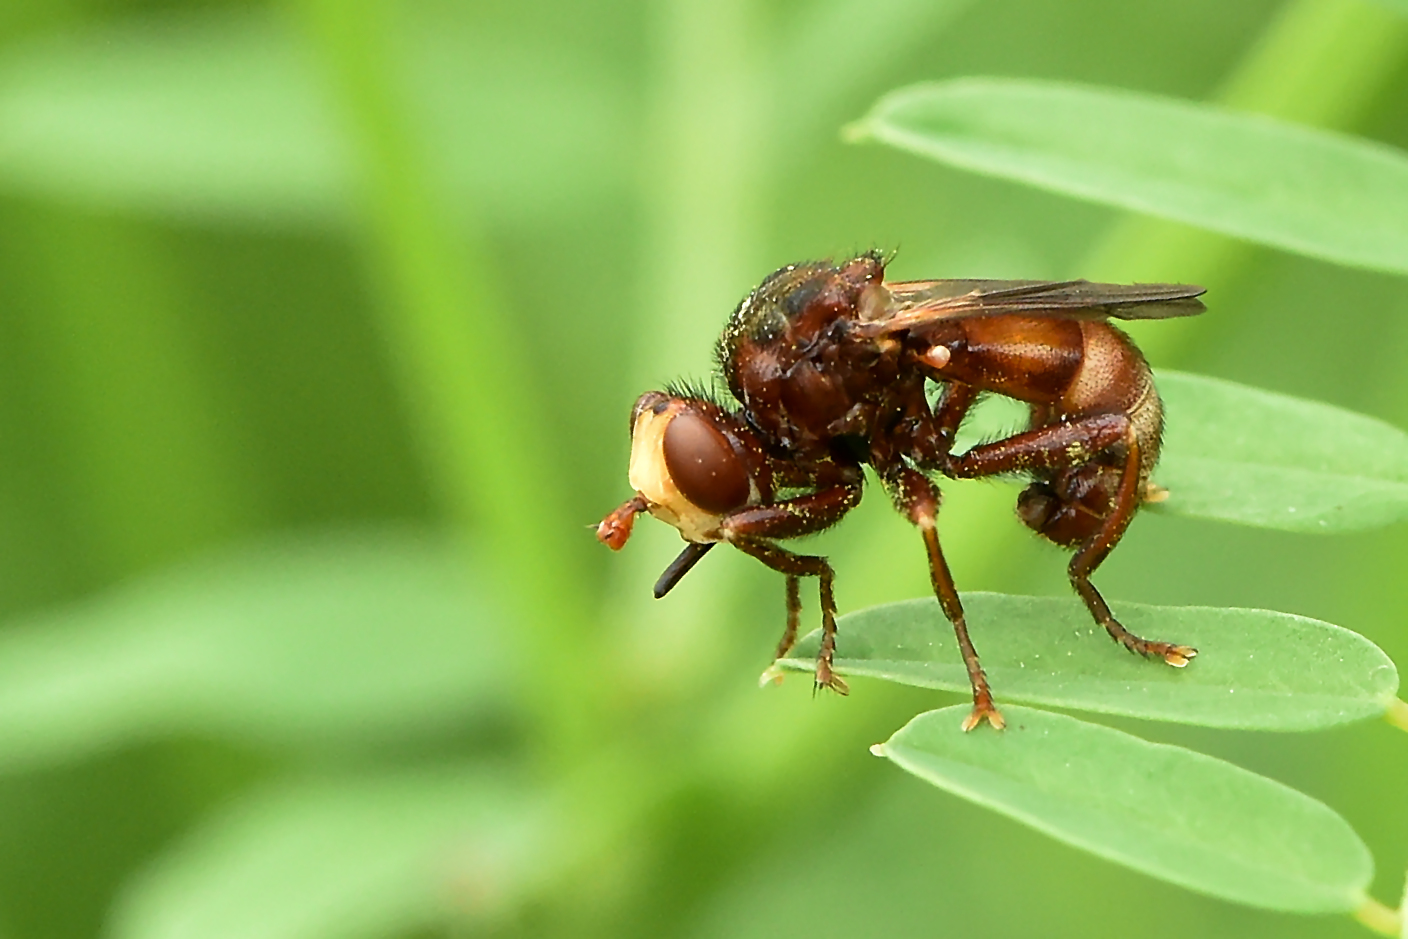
x=650, y=476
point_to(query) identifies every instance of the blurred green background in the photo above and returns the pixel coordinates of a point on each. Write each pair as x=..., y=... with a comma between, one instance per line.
x=319, y=327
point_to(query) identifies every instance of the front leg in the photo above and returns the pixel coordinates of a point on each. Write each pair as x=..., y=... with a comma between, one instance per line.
x=803, y=565
x=750, y=530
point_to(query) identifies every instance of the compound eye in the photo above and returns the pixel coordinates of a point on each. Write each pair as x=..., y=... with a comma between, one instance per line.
x=703, y=465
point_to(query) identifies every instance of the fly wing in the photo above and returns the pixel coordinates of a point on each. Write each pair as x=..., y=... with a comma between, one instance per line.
x=919, y=302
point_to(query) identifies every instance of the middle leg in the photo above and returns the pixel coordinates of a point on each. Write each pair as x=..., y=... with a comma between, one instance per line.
x=917, y=498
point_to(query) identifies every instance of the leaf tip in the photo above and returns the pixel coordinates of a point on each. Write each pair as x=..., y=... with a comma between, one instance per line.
x=772, y=675
x=878, y=749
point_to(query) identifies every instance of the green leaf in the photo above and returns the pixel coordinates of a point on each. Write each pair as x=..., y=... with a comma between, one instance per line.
x=369, y=857
x=1302, y=190
x=1253, y=457
x=221, y=117
x=343, y=640
x=1398, y=6
x=1171, y=813
x=1255, y=670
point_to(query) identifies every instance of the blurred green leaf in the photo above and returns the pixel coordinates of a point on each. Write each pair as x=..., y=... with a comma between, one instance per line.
x=220, y=116
x=322, y=642
x=812, y=80
x=341, y=859
x=1255, y=670
x=1307, y=191
x=1243, y=455
x=1398, y=6
x=1171, y=813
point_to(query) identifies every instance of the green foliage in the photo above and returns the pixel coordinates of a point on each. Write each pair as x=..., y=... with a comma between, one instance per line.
x=1180, y=816
x=1284, y=185
x=312, y=644
x=1255, y=670
x=1233, y=454
x=1283, y=463
x=226, y=118
x=349, y=263
x=344, y=857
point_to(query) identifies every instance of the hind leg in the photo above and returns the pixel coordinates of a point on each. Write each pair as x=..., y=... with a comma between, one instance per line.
x=1096, y=548
x=1063, y=517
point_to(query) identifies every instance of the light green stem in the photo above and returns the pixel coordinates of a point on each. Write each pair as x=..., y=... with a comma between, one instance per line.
x=1379, y=918
x=1397, y=713
x=464, y=370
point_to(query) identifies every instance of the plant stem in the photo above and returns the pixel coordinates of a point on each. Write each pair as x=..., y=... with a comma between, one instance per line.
x=1379, y=918
x=464, y=374
x=1397, y=713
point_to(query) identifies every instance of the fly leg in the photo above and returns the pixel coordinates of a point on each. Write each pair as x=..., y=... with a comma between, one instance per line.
x=1074, y=444
x=803, y=565
x=794, y=616
x=917, y=498
x=1094, y=550
x=750, y=529
x=953, y=406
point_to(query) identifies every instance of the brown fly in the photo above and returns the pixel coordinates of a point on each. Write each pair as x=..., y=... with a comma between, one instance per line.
x=828, y=365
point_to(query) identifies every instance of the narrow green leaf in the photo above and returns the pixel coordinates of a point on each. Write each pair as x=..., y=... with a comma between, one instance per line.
x=1253, y=457
x=219, y=116
x=331, y=642
x=1171, y=813
x=344, y=858
x=1307, y=191
x=1255, y=670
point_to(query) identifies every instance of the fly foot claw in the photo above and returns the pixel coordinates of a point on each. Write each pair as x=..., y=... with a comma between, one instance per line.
x=1178, y=656
x=984, y=711
x=826, y=678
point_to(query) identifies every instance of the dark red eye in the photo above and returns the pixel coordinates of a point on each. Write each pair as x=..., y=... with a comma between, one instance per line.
x=703, y=465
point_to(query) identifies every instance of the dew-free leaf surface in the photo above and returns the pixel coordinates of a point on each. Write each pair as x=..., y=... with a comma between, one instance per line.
x=1255, y=669
x=1307, y=191
x=1255, y=457
x=1171, y=813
